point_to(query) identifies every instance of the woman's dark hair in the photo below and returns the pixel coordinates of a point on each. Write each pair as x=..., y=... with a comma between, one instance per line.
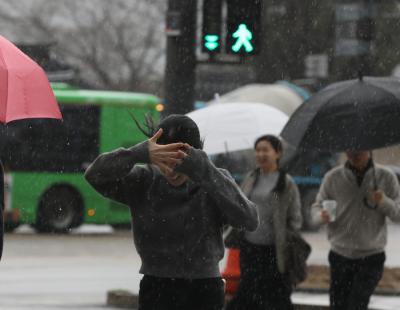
x=176, y=128
x=275, y=142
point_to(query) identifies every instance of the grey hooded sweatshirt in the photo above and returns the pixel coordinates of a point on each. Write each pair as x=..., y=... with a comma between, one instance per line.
x=177, y=230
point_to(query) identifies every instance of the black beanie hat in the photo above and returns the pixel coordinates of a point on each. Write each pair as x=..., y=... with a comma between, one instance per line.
x=179, y=128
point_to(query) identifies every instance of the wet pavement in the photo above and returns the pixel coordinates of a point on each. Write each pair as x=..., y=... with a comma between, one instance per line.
x=76, y=271
x=319, y=255
x=66, y=272
x=320, y=246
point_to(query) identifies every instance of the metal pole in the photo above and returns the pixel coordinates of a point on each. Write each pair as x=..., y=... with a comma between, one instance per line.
x=181, y=59
x=365, y=61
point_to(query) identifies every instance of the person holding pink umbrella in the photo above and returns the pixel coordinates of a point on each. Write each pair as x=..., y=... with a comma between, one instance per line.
x=25, y=92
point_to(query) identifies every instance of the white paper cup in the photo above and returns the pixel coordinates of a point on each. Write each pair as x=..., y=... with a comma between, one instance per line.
x=330, y=207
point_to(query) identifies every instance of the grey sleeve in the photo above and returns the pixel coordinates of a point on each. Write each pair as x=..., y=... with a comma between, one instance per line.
x=391, y=203
x=112, y=173
x=317, y=205
x=294, y=208
x=239, y=211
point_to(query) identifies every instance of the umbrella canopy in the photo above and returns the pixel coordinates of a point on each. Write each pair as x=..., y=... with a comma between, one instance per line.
x=25, y=91
x=360, y=114
x=236, y=126
x=280, y=95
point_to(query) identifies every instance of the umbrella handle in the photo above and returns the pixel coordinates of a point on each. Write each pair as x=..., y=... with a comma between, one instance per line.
x=375, y=183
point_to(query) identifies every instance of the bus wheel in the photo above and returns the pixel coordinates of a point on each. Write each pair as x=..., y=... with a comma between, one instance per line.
x=60, y=209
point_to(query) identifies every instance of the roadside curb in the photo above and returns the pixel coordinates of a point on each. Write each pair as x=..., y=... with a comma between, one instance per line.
x=127, y=300
x=315, y=290
x=122, y=299
x=310, y=307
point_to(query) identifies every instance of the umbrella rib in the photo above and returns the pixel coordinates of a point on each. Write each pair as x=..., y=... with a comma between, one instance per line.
x=383, y=89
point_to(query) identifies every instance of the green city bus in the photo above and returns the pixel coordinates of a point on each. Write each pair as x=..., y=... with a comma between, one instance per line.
x=45, y=159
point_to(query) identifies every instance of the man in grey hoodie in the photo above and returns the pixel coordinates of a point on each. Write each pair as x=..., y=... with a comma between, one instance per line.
x=366, y=194
x=179, y=202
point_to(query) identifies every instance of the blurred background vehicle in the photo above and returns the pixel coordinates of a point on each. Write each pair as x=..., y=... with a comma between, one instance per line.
x=45, y=164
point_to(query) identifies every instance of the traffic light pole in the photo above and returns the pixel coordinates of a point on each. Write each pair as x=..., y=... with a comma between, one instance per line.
x=181, y=59
x=358, y=58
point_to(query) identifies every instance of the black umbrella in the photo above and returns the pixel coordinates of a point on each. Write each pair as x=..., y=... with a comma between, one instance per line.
x=360, y=114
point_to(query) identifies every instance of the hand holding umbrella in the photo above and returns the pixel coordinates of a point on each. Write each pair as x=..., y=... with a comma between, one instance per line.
x=378, y=196
x=361, y=114
x=358, y=115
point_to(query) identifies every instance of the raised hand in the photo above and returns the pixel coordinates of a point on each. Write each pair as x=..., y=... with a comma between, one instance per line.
x=167, y=156
x=377, y=196
x=325, y=216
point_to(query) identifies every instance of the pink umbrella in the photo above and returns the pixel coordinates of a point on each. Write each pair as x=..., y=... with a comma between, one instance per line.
x=25, y=91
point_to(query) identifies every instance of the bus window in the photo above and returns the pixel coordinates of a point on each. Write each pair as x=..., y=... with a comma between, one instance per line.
x=52, y=145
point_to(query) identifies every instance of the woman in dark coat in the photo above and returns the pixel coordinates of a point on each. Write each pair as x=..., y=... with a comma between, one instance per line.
x=179, y=203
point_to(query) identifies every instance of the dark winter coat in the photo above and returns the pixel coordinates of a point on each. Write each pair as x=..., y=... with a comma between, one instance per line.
x=177, y=230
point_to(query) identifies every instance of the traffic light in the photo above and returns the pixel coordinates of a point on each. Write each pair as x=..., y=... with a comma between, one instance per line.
x=243, y=26
x=211, y=34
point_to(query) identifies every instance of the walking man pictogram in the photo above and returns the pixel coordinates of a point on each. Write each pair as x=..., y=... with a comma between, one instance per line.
x=243, y=37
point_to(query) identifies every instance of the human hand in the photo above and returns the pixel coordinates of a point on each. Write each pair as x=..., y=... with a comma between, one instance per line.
x=325, y=216
x=377, y=197
x=167, y=156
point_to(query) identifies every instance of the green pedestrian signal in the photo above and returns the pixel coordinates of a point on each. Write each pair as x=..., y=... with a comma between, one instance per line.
x=243, y=38
x=243, y=27
x=211, y=42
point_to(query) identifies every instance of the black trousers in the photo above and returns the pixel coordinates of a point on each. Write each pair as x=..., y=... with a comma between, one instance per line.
x=261, y=285
x=353, y=281
x=180, y=294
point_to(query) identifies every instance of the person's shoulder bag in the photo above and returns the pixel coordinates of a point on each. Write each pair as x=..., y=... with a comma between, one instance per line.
x=297, y=252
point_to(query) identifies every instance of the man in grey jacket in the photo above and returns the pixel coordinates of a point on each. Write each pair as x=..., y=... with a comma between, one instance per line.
x=179, y=202
x=366, y=194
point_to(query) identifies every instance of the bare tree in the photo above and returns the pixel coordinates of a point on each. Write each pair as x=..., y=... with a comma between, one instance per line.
x=116, y=44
